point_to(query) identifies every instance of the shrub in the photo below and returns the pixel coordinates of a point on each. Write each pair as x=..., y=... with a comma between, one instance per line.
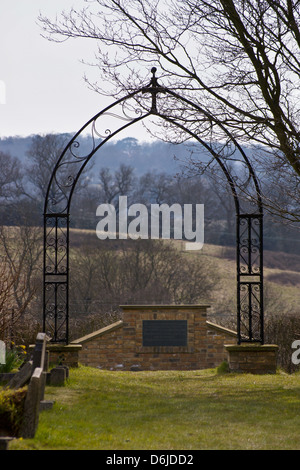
x=223, y=368
x=11, y=410
x=14, y=359
x=283, y=330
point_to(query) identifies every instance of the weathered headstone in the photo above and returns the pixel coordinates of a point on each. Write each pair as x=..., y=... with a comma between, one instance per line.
x=32, y=405
x=57, y=376
x=46, y=405
x=4, y=442
x=34, y=372
x=40, y=360
x=39, y=352
x=22, y=377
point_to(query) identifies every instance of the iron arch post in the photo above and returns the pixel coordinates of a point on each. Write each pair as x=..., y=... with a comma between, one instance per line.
x=65, y=175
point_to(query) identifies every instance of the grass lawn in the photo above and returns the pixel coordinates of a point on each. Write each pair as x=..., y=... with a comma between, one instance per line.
x=169, y=411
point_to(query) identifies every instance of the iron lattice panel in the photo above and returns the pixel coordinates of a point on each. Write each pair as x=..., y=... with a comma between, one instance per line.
x=56, y=311
x=56, y=276
x=250, y=278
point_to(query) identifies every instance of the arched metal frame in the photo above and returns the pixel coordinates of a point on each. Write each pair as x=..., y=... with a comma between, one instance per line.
x=62, y=184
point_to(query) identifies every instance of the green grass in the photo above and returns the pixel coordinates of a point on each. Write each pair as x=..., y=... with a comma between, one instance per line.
x=170, y=411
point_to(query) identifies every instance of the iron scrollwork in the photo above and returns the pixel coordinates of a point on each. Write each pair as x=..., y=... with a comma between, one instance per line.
x=56, y=276
x=250, y=278
x=64, y=178
x=62, y=184
x=56, y=311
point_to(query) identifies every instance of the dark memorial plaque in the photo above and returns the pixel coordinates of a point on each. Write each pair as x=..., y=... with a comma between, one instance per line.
x=164, y=332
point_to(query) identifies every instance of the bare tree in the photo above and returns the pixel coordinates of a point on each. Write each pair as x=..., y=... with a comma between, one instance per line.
x=236, y=63
x=120, y=183
x=10, y=178
x=156, y=188
x=21, y=249
x=7, y=317
x=42, y=155
x=135, y=271
x=280, y=185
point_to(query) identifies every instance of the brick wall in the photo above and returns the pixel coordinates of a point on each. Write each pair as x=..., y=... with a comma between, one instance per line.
x=104, y=348
x=120, y=345
x=253, y=358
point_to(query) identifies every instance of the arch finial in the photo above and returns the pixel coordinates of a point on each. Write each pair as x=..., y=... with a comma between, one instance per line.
x=154, y=88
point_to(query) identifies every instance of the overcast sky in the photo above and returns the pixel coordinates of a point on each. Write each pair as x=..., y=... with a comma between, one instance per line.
x=41, y=82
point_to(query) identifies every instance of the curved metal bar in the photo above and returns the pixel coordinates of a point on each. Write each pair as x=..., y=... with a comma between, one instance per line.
x=230, y=136
x=113, y=134
x=73, y=141
x=56, y=224
x=249, y=240
x=214, y=154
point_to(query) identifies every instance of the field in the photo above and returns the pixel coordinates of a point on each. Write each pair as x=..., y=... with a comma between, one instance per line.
x=281, y=282
x=281, y=274
x=195, y=410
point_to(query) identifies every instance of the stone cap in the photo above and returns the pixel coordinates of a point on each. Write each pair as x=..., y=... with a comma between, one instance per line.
x=58, y=346
x=63, y=347
x=221, y=329
x=96, y=334
x=253, y=347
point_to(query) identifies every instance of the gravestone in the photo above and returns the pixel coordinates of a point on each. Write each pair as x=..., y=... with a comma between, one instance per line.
x=32, y=405
x=4, y=442
x=22, y=377
x=58, y=376
x=34, y=372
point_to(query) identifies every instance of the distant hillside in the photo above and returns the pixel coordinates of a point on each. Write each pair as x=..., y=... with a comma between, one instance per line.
x=16, y=146
x=167, y=158
x=158, y=156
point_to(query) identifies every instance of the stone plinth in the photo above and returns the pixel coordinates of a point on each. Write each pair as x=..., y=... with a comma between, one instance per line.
x=66, y=355
x=157, y=337
x=252, y=358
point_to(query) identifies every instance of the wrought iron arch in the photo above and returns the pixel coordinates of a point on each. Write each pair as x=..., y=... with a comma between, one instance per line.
x=62, y=184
